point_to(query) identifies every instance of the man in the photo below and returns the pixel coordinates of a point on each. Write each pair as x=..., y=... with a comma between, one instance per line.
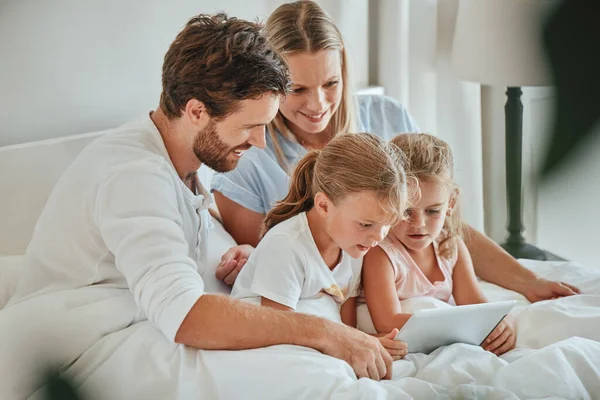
x=129, y=216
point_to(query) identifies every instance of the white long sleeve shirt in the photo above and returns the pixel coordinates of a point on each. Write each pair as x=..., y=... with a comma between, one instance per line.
x=120, y=216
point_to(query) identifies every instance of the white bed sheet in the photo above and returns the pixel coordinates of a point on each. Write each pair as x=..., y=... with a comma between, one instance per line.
x=122, y=356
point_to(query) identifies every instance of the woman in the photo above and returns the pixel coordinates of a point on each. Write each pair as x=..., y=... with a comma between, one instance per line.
x=320, y=106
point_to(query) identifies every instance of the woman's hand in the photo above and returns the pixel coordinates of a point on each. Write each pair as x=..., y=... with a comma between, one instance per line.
x=232, y=262
x=502, y=339
x=543, y=289
x=396, y=348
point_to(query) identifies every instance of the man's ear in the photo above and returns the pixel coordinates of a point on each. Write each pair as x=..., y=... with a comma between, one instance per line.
x=196, y=112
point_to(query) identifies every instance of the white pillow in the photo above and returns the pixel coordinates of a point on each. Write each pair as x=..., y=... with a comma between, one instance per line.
x=219, y=241
x=409, y=306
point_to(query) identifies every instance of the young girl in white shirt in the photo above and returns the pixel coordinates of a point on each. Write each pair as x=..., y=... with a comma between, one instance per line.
x=425, y=255
x=341, y=202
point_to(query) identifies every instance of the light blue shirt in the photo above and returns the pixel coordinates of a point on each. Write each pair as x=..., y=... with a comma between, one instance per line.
x=259, y=181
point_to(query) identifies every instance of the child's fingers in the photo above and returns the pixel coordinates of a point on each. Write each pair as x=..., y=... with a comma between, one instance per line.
x=397, y=353
x=506, y=346
x=499, y=341
x=397, y=349
x=392, y=334
x=393, y=344
x=494, y=334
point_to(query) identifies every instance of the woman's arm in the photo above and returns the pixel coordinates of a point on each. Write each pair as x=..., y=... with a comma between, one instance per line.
x=380, y=292
x=348, y=312
x=241, y=223
x=465, y=287
x=495, y=265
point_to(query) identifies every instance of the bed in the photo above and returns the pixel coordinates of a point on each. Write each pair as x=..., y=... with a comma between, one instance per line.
x=557, y=354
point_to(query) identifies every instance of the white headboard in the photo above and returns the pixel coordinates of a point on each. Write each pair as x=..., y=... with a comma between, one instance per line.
x=29, y=171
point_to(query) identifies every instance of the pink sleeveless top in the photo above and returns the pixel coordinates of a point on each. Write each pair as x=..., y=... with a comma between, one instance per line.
x=410, y=281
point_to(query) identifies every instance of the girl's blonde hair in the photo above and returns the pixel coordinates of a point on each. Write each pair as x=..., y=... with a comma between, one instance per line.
x=430, y=159
x=304, y=27
x=349, y=163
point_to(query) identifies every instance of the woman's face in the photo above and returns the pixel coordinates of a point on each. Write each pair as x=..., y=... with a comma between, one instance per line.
x=316, y=90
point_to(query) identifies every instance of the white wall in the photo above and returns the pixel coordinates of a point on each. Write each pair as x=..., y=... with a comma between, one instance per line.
x=351, y=17
x=72, y=66
x=415, y=41
x=568, y=213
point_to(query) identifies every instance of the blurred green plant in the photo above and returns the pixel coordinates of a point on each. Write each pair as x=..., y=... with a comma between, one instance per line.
x=572, y=41
x=59, y=388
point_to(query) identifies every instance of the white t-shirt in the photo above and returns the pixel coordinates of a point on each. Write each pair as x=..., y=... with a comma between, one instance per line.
x=286, y=267
x=120, y=217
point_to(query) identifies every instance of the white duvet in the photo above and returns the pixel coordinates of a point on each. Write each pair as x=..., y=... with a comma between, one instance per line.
x=118, y=355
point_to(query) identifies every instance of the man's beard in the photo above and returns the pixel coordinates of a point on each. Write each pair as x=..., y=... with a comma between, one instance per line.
x=211, y=151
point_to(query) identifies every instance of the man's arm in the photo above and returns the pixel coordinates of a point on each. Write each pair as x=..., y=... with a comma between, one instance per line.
x=495, y=265
x=220, y=322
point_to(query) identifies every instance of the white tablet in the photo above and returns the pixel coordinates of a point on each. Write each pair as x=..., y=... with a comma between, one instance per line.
x=429, y=329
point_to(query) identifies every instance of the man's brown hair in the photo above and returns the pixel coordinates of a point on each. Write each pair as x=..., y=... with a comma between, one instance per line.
x=219, y=61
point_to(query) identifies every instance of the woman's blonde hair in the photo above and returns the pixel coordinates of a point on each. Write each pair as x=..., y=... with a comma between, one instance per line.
x=429, y=158
x=349, y=163
x=304, y=27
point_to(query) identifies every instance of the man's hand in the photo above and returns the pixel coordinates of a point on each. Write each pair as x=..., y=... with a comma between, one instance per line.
x=542, y=289
x=502, y=338
x=232, y=262
x=365, y=353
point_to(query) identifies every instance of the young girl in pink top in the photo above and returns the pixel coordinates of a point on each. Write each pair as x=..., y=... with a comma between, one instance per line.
x=425, y=255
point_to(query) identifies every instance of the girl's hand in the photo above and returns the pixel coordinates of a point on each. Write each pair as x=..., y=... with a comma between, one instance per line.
x=396, y=348
x=502, y=339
